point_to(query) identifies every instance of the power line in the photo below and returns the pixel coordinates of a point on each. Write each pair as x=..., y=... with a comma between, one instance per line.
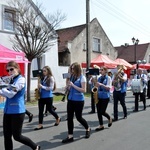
x=121, y=16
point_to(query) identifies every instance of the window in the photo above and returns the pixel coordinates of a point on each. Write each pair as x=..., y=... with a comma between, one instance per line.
x=8, y=19
x=96, y=45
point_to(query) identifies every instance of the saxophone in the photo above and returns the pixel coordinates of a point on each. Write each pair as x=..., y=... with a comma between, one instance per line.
x=37, y=90
x=95, y=89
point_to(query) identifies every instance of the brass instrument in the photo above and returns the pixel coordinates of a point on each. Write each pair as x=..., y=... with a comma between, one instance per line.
x=117, y=81
x=95, y=89
x=37, y=90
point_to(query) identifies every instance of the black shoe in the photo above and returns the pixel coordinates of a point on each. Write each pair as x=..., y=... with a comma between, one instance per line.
x=115, y=119
x=38, y=148
x=67, y=140
x=56, y=124
x=135, y=110
x=110, y=123
x=54, y=108
x=144, y=108
x=30, y=117
x=87, y=134
x=91, y=112
x=38, y=128
x=99, y=129
x=45, y=114
x=125, y=117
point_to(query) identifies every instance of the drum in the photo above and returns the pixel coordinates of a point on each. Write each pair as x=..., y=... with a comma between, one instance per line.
x=137, y=86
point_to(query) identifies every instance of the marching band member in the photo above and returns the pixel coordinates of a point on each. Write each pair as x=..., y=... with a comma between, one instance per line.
x=142, y=95
x=46, y=87
x=75, y=102
x=14, y=111
x=104, y=84
x=119, y=81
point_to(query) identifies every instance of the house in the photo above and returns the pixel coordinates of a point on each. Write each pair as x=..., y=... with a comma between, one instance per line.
x=72, y=43
x=133, y=53
x=71, y=46
x=50, y=58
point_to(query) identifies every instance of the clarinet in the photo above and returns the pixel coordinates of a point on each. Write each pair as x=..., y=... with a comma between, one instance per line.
x=67, y=89
x=66, y=93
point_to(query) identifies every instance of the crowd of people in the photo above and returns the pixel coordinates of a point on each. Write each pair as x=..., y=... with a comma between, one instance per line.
x=14, y=111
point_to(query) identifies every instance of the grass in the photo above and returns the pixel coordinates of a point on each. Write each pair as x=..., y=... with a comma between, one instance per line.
x=34, y=102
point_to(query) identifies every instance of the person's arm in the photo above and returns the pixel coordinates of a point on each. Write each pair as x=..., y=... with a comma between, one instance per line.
x=10, y=93
x=83, y=85
x=108, y=85
x=49, y=88
x=144, y=78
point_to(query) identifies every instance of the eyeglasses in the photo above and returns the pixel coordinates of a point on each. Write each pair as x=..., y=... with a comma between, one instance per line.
x=11, y=69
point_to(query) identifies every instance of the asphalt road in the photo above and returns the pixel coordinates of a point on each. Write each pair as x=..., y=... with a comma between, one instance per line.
x=126, y=134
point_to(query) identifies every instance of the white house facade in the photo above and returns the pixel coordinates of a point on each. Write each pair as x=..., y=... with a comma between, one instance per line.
x=50, y=58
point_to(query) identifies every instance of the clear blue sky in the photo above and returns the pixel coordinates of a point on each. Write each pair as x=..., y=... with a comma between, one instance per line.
x=120, y=19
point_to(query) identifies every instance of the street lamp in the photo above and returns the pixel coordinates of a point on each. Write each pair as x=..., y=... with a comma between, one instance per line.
x=135, y=42
x=140, y=62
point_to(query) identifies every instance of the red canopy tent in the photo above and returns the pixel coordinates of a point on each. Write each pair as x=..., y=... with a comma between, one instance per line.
x=7, y=55
x=143, y=66
x=124, y=62
x=102, y=60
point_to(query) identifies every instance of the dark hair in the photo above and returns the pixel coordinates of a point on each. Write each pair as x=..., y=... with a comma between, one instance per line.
x=49, y=75
x=14, y=64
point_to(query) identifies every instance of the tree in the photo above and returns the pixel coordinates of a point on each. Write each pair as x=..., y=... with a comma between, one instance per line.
x=34, y=33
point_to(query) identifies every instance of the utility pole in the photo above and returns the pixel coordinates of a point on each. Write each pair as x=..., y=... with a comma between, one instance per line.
x=88, y=51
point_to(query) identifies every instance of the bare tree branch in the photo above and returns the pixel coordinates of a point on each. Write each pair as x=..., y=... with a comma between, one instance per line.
x=34, y=33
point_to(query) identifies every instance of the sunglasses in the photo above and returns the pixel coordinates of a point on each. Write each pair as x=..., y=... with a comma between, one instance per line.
x=44, y=70
x=11, y=69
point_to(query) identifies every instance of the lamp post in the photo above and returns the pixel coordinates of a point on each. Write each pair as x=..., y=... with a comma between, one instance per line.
x=135, y=42
x=140, y=62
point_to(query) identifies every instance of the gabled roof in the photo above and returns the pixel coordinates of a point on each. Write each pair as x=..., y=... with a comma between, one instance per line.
x=68, y=34
x=127, y=52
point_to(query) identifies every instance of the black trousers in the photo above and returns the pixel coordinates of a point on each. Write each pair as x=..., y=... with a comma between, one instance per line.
x=148, y=89
x=92, y=103
x=77, y=108
x=142, y=98
x=12, y=126
x=118, y=96
x=27, y=113
x=101, y=110
x=48, y=102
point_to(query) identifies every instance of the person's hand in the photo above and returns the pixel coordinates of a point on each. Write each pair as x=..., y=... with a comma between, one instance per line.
x=70, y=83
x=40, y=85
